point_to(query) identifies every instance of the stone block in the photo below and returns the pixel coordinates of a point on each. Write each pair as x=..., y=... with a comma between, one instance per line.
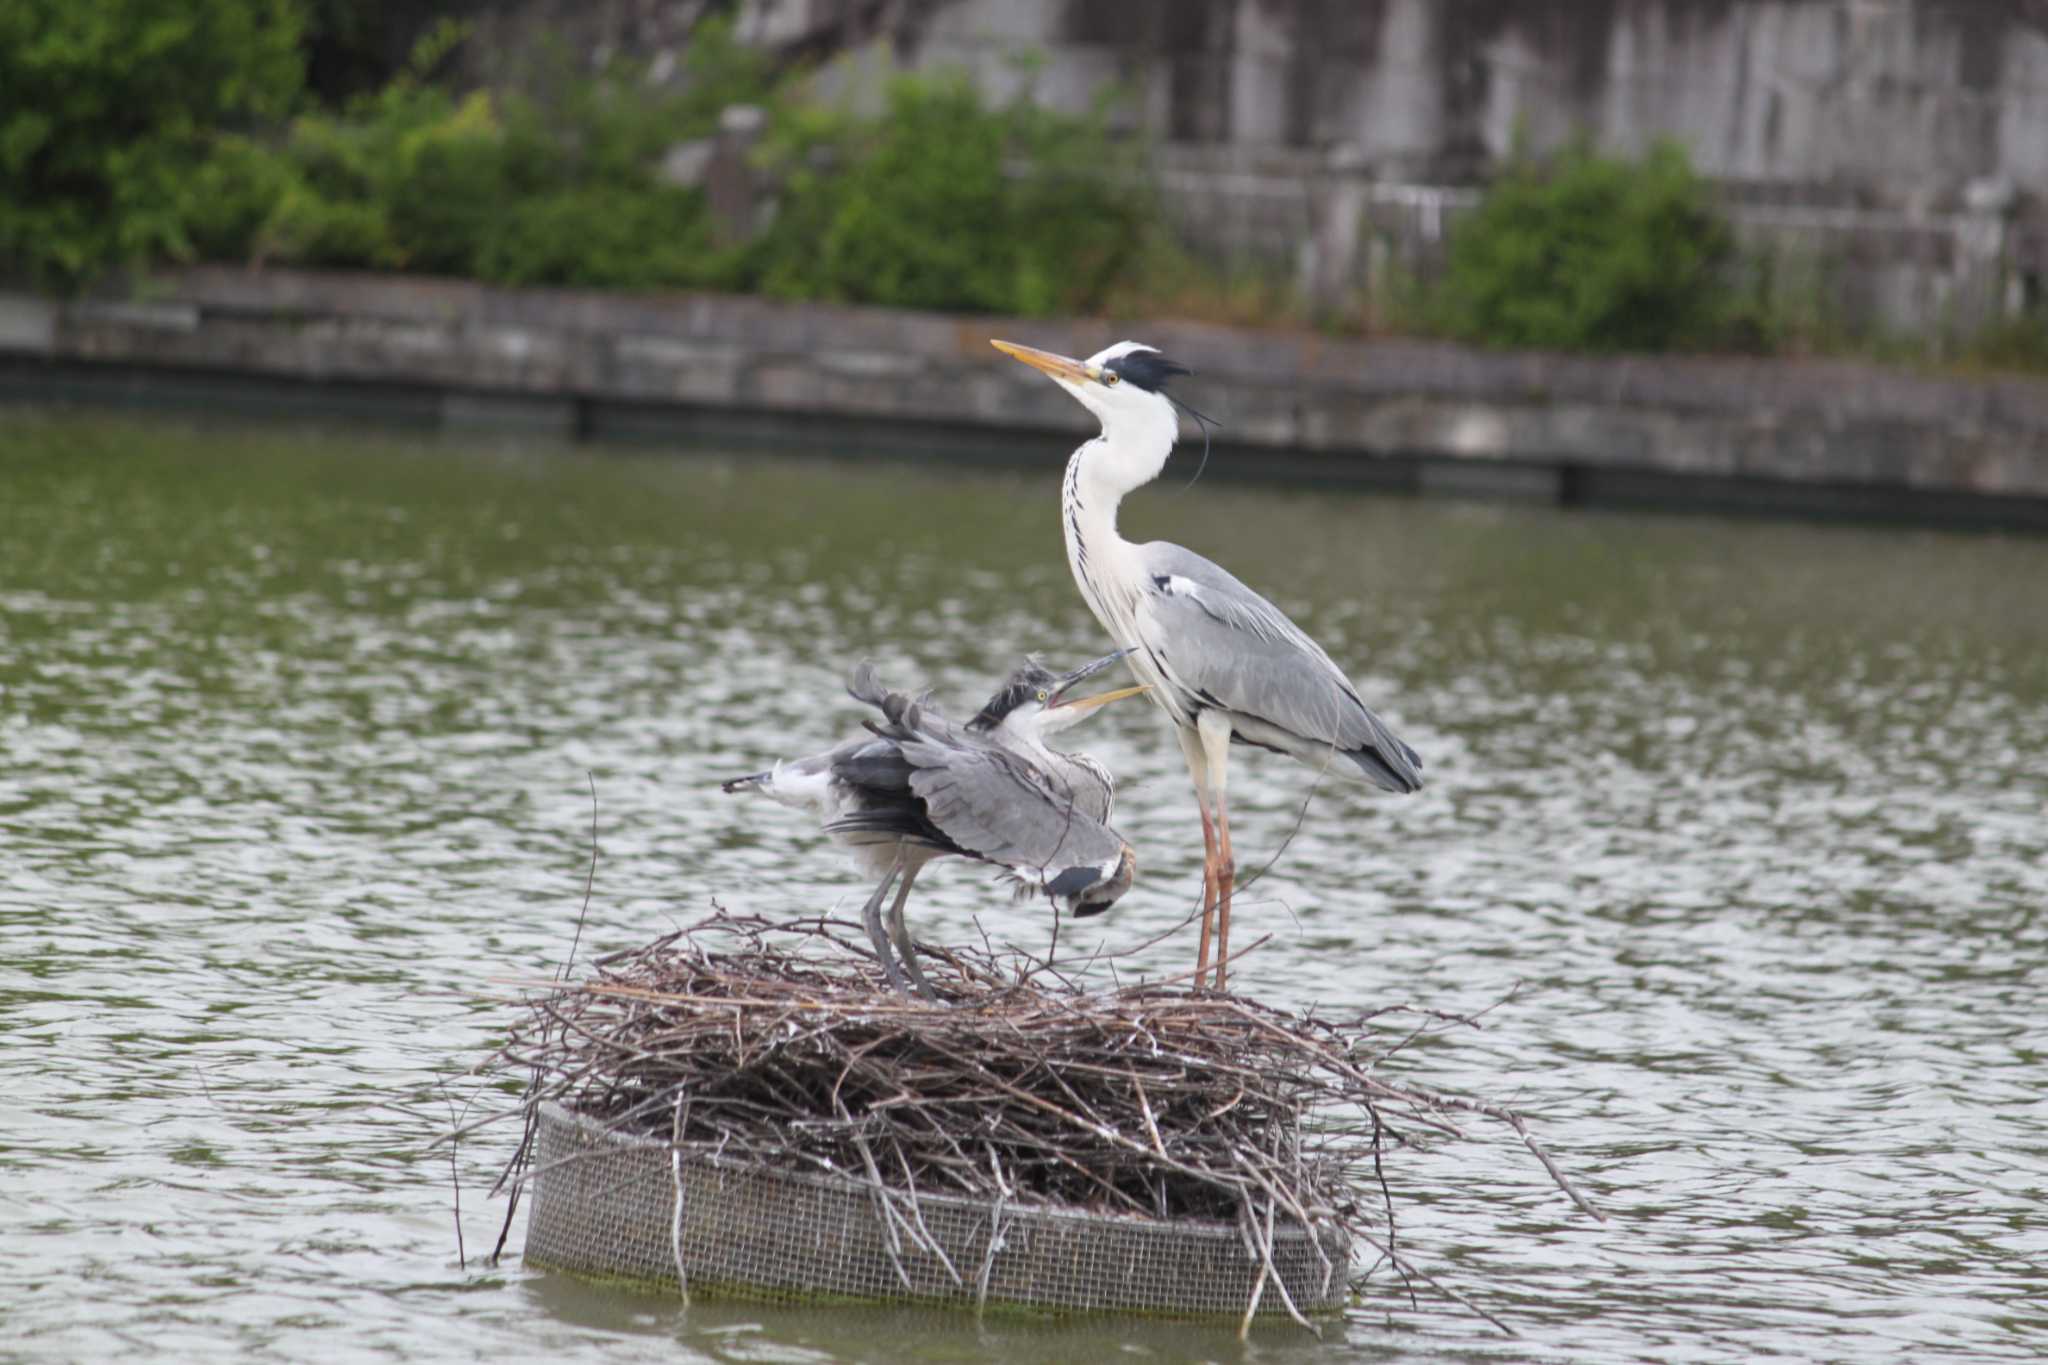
x=27, y=324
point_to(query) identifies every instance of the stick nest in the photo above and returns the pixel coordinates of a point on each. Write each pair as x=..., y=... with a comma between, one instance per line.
x=781, y=1043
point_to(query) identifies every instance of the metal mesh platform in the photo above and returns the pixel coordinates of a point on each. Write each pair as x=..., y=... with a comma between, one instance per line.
x=605, y=1205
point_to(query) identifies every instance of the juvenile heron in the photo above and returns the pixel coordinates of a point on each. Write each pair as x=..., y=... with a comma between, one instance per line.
x=916, y=787
x=1224, y=663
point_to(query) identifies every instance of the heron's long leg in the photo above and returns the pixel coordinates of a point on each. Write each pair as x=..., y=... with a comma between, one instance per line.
x=1226, y=882
x=1198, y=763
x=871, y=916
x=1208, y=886
x=901, y=933
x=1215, y=733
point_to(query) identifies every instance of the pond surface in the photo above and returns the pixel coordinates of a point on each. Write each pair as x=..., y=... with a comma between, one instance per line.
x=299, y=731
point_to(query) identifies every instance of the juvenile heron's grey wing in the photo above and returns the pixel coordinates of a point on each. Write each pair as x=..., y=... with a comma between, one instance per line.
x=1090, y=784
x=864, y=686
x=904, y=715
x=998, y=807
x=1222, y=645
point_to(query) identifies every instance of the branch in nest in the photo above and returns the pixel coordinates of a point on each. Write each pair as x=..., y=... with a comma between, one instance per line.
x=780, y=1041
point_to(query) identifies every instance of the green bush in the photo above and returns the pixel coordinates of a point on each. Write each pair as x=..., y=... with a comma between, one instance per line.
x=648, y=238
x=945, y=203
x=232, y=194
x=1588, y=252
x=408, y=177
x=130, y=149
x=508, y=187
x=107, y=110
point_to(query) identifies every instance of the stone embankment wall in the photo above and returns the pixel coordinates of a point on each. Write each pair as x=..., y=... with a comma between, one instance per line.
x=1420, y=416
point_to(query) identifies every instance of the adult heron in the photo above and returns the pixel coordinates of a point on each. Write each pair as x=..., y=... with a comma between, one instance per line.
x=916, y=787
x=1225, y=664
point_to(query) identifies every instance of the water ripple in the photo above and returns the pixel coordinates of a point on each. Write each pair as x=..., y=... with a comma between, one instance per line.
x=302, y=731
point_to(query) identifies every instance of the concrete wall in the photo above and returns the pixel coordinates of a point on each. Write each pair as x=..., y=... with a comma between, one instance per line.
x=1820, y=436
x=1887, y=158
x=1880, y=102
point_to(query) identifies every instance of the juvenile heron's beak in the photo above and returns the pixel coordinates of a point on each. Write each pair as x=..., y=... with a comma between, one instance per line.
x=1058, y=366
x=1082, y=705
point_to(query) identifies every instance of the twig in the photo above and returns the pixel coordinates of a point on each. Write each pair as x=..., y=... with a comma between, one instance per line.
x=589, y=882
x=776, y=1043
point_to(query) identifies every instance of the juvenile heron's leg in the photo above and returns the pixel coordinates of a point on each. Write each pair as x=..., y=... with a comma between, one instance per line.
x=1215, y=733
x=1191, y=746
x=901, y=932
x=871, y=916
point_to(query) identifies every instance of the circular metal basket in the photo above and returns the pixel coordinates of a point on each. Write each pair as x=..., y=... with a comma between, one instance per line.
x=607, y=1205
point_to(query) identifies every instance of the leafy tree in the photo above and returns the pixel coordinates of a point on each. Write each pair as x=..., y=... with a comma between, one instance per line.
x=133, y=131
x=107, y=110
x=516, y=188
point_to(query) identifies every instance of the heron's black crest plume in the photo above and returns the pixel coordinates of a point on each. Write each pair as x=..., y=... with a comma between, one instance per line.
x=1147, y=368
x=1206, y=422
x=1030, y=679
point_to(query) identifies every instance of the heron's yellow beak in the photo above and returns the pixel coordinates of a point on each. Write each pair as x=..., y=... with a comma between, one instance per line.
x=1082, y=705
x=1058, y=366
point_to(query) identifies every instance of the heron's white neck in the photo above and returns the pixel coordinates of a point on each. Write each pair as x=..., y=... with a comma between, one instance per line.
x=1031, y=741
x=1100, y=473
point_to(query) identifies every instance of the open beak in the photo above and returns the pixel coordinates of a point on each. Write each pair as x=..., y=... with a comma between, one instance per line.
x=1058, y=366
x=1081, y=705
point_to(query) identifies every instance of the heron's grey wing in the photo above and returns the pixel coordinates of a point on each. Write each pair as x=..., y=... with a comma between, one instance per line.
x=1003, y=809
x=904, y=715
x=863, y=686
x=1228, y=647
x=1093, y=789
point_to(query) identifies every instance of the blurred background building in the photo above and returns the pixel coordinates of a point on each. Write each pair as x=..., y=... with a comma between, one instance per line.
x=1883, y=155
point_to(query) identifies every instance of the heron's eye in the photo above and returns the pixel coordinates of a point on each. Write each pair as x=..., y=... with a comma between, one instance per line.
x=1111, y=378
x=1041, y=694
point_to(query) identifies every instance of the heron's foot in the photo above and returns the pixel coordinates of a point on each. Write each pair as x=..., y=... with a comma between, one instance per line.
x=924, y=987
x=897, y=981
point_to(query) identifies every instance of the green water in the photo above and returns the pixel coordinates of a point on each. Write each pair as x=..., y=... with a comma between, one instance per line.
x=298, y=735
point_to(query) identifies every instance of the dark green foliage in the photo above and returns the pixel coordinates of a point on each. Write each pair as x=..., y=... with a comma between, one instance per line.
x=1589, y=252
x=944, y=203
x=501, y=186
x=652, y=239
x=127, y=138
x=232, y=194
x=106, y=112
x=355, y=46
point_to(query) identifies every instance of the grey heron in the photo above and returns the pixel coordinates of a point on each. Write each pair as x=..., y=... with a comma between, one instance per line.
x=1226, y=665
x=917, y=787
